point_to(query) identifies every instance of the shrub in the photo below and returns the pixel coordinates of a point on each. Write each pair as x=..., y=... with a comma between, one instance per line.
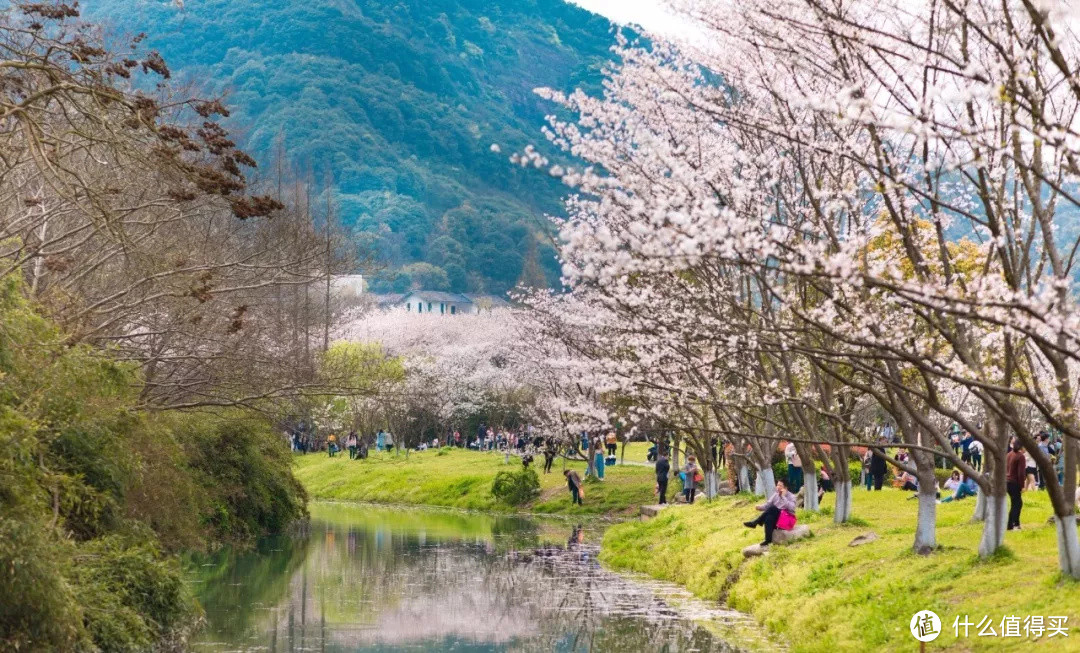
x=516, y=488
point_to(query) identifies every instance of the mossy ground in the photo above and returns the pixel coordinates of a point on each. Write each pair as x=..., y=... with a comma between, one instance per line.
x=462, y=479
x=820, y=594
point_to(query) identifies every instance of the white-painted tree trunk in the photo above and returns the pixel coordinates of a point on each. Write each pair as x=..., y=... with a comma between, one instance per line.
x=926, y=528
x=842, y=511
x=1068, y=545
x=712, y=484
x=765, y=484
x=980, y=507
x=744, y=479
x=995, y=519
x=810, y=501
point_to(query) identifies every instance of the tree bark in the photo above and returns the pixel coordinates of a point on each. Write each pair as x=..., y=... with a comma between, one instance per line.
x=744, y=477
x=712, y=484
x=1068, y=545
x=810, y=488
x=842, y=511
x=765, y=484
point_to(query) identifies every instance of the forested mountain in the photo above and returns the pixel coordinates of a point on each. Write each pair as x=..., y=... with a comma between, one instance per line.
x=402, y=101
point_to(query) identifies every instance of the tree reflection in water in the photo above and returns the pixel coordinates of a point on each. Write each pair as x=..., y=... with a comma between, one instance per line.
x=387, y=580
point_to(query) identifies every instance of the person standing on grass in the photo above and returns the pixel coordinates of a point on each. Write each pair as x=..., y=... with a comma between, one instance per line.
x=612, y=442
x=663, y=471
x=878, y=466
x=976, y=450
x=1015, y=473
x=598, y=463
x=350, y=442
x=794, y=467
x=1031, y=472
x=331, y=445
x=780, y=501
x=692, y=471
x=549, y=457
x=573, y=481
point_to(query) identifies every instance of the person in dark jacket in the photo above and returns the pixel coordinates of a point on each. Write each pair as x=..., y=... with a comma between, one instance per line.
x=549, y=455
x=573, y=481
x=1015, y=475
x=663, y=471
x=877, y=468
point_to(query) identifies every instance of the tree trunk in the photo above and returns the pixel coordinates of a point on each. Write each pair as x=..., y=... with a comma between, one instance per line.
x=842, y=511
x=995, y=518
x=675, y=454
x=590, y=454
x=926, y=529
x=810, y=500
x=712, y=484
x=1068, y=545
x=980, y=507
x=765, y=484
x=744, y=477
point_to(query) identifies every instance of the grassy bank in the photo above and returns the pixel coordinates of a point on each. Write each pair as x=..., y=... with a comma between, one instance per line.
x=462, y=479
x=822, y=595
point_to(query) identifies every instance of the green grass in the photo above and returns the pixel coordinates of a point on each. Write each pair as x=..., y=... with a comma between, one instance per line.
x=822, y=595
x=462, y=479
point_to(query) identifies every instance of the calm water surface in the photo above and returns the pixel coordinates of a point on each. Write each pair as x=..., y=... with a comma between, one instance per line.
x=366, y=578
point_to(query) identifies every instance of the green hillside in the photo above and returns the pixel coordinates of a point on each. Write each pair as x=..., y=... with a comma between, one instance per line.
x=402, y=100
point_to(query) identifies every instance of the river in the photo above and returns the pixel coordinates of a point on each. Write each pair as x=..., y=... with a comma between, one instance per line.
x=367, y=578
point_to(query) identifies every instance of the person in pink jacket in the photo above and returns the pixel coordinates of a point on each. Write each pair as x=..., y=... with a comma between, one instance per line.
x=781, y=501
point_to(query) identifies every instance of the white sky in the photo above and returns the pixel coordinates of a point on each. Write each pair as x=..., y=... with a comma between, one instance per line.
x=653, y=15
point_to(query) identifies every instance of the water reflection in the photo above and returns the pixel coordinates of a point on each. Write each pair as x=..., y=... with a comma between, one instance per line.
x=373, y=579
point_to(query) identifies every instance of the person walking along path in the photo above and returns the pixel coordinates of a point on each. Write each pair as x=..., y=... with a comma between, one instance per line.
x=663, y=472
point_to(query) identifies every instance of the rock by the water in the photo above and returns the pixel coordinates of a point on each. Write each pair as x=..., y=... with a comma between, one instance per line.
x=797, y=533
x=865, y=538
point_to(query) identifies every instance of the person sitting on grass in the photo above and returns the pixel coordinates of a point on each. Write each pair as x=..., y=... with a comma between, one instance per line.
x=953, y=482
x=780, y=501
x=964, y=488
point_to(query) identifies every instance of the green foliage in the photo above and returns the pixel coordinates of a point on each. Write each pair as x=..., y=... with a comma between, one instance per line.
x=245, y=468
x=94, y=493
x=516, y=488
x=402, y=101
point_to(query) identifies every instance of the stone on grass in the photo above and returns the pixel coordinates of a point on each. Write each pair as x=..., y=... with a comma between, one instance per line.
x=797, y=533
x=652, y=511
x=865, y=538
x=755, y=550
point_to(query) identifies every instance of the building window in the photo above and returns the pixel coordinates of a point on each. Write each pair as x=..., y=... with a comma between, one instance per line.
x=419, y=307
x=453, y=309
x=442, y=308
x=408, y=307
x=429, y=307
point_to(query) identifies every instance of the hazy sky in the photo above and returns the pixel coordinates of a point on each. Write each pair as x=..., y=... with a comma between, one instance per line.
x=650, y=14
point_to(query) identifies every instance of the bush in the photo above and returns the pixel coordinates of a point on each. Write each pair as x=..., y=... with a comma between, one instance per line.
x=942, y=475
x=516, y=488
x=246, y=469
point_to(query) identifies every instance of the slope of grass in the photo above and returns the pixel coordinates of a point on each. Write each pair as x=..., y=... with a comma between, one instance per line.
x=462, y=479
x=822, y=595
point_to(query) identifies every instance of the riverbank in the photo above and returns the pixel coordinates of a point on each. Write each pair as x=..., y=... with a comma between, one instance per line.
x=820, y=594
x=456, y=478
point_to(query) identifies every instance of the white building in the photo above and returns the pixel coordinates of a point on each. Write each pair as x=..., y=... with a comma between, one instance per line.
x=443, y=303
